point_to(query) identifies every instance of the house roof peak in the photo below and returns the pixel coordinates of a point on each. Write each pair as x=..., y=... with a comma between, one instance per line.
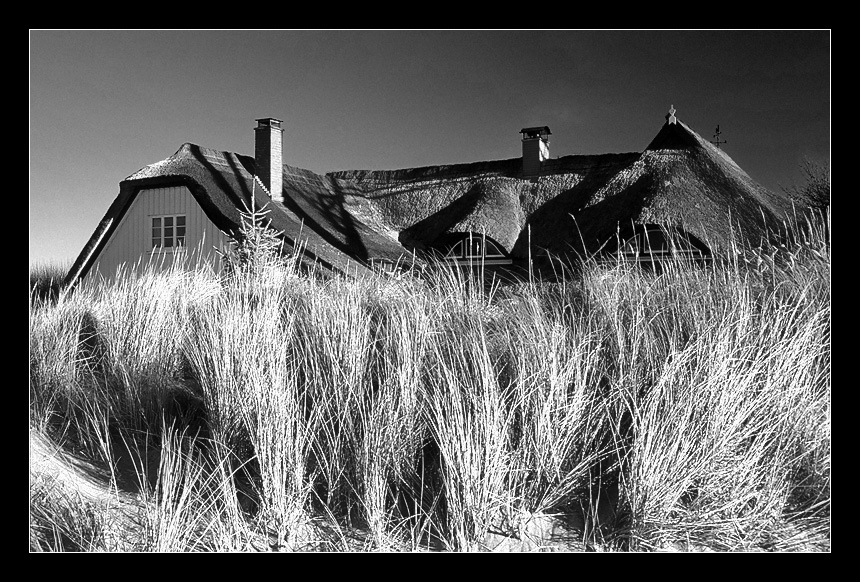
x=670, y=117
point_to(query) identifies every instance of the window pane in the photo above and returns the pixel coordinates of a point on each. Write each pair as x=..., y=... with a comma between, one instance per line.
x=456, y=251
x=475, y=247
x=168, y=231
x=180, y=221
x=180, y=241
x=156, y=232
x=492, y=250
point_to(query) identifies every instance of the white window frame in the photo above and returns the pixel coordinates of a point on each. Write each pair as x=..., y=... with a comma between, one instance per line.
x=474, y=247
x=159, y=233
x=638, y=247
x=488, y=251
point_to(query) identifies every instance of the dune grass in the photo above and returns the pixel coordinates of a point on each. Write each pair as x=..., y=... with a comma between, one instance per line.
x=686, y=408
x=46, y=278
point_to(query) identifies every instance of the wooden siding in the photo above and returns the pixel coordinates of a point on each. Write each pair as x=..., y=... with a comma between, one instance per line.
x=131, y=241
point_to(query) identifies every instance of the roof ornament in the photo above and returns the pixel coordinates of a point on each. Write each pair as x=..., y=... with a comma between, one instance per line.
x=670, y=117
x=716, y=141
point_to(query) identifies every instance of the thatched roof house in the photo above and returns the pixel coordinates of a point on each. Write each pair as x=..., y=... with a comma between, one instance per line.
x=507, y=211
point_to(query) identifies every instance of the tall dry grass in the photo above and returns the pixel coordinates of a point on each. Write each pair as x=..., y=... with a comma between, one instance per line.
x=684, y=407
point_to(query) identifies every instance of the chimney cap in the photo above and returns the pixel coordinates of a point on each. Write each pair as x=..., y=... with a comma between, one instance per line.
x=534, y=132
x=269, y=121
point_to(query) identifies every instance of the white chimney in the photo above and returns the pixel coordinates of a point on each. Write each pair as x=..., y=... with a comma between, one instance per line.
x=268, y=140
x=535, y=148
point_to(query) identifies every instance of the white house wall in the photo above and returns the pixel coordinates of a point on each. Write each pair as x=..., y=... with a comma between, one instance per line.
x=130, y=243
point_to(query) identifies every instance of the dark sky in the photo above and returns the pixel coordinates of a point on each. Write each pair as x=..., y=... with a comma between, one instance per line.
x=105, y=103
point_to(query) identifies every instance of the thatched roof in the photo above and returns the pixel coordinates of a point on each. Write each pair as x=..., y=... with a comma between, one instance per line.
x=577, y=203
x=335, y=217
x=683, y=181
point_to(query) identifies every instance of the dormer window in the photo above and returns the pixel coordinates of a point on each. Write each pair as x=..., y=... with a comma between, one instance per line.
x=474, y=247
x=651, y=243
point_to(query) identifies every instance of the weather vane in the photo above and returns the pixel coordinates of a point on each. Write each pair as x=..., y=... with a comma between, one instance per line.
x=716, y=141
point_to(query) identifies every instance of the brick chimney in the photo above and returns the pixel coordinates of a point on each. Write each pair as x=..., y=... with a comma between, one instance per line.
x=268, y=139
x=535, y=148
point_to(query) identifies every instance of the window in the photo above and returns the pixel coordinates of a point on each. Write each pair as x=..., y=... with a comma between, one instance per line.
x=475, y=247
x=656, y=242
x=168, y=231
x=478, y=247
